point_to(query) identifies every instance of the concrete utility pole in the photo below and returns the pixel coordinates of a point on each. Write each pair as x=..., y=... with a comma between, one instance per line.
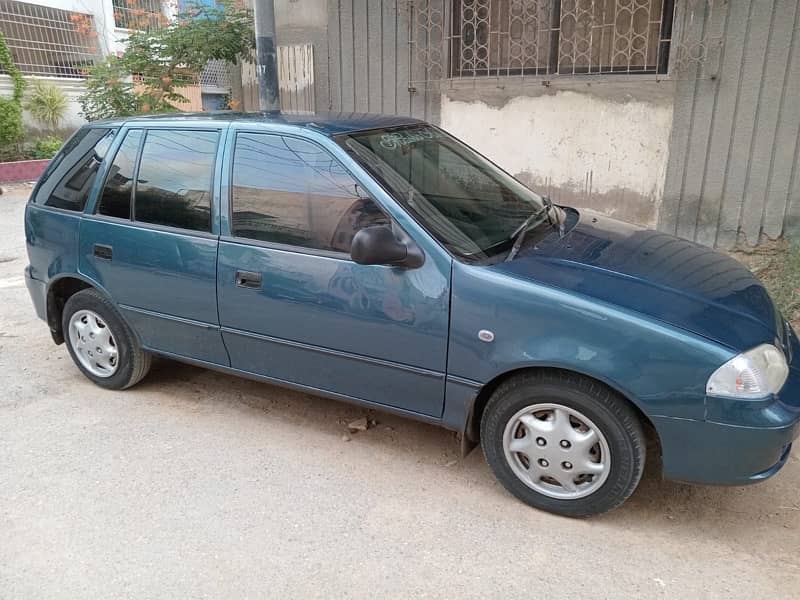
x=266, y=56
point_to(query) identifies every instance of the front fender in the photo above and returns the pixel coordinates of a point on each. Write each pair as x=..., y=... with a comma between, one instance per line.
x=661, y=369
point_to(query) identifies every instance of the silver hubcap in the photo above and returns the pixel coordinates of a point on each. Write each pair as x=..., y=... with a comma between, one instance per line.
x=557, y=451
x=93, y=343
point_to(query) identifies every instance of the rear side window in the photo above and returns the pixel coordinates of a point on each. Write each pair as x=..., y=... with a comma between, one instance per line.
x=174, y=181
x=291, y=191
x=116, y=198
x=69, y=177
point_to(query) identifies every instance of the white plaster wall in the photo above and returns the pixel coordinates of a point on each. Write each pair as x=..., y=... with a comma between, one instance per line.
x=600, y=152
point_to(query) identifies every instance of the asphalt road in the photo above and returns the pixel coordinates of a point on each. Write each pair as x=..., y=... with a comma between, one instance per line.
x=195, y=484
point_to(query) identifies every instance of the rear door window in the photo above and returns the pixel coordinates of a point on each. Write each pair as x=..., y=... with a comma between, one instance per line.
x=117, y=192
x=173, y=186
x=68, y=180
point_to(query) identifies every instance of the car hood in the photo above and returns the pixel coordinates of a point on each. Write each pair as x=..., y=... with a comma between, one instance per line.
x=659, y=275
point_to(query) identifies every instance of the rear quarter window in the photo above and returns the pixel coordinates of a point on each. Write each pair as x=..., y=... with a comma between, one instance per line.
x=68, y=179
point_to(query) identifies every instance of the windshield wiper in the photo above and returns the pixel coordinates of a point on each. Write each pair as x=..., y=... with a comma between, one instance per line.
x=519, y=233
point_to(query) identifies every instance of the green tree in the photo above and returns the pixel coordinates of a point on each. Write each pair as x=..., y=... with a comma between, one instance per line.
x=167, y=58
x=109, y=92
x=11, y=129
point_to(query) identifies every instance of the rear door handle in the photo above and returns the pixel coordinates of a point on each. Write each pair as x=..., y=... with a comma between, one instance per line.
x=103, y=251
x=248, y=279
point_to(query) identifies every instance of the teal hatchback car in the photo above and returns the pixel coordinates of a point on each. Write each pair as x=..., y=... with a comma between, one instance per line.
x=379, y=260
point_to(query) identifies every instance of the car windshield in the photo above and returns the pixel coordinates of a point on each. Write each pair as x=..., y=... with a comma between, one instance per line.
x=469, y=204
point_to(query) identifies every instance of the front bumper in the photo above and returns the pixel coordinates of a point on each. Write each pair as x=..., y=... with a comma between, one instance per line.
x=740, y=441
x=720, y=454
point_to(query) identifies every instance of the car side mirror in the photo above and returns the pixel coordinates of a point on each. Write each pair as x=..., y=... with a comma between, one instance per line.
x=379, y=245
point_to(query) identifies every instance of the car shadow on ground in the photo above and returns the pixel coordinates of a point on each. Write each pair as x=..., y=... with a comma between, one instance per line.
x=772, y=506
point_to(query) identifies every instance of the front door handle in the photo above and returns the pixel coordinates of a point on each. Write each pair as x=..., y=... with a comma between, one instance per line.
x=248, y=279
x=103, y=251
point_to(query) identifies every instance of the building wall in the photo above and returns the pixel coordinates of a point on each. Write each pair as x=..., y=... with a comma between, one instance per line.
x=369, y=66
x=733, y=167
x=591, y=141
x=602, y=146
x=709, y=153
x=110, y=38
x=361, y=56
x=297, y=23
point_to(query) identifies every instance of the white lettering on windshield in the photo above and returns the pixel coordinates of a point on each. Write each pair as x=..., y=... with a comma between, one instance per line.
x=401, y=139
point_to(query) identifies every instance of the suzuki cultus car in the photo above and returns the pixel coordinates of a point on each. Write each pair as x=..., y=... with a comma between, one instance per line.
x=379, y=260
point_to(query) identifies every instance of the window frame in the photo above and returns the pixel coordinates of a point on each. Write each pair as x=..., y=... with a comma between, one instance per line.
x=101, y=173
x=550, y=70
x=122, y=136
x=230, y=163
x=94, y=204
x=139, y=155
x=34, y=31
x=150, y=14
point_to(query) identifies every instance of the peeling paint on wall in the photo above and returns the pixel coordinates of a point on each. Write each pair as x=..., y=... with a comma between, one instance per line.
x=582, y=149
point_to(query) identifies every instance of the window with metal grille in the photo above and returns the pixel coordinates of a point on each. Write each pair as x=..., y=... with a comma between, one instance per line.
x=138, y=14
x=560, y=37
x=48, y=41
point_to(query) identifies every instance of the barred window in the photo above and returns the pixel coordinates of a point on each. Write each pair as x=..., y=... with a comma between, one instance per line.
x=560, y=37
x=138, y=14
x=48, y=41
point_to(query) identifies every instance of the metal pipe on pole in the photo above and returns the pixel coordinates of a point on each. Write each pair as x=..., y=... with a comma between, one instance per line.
x=266, y=55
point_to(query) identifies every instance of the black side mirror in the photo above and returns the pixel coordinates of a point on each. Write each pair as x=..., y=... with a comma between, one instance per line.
x=378, y=245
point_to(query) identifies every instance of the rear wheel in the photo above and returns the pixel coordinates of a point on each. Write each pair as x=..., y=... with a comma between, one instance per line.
x=563, y=443
x=100, y=342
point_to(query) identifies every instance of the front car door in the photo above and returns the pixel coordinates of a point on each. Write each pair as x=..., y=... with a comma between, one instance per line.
x=294, y=307
x=150, y=239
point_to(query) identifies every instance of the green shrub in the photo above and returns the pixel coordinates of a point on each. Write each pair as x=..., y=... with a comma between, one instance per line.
x=47, y=104
x=46, y=147
x=11, y=130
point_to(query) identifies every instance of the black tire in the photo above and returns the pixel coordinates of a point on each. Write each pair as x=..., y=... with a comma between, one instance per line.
x=610, y=413
x=133, y=362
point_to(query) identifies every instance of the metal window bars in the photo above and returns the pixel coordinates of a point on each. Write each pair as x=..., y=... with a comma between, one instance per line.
x=216, y=77
x=48, y=41
x=138, y=14
x=458, y=39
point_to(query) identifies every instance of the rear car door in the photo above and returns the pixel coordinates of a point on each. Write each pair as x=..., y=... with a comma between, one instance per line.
x=296, y=308
x=151, y=238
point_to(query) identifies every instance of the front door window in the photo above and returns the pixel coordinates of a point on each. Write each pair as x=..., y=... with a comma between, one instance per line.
x=291, y=191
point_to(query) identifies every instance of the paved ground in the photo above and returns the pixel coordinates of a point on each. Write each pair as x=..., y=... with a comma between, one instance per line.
x=200, y=485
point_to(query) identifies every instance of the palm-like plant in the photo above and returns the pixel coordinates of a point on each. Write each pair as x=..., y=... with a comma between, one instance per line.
x=47, y=104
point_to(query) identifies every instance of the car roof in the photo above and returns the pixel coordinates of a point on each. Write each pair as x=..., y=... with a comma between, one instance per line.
x=325, y=123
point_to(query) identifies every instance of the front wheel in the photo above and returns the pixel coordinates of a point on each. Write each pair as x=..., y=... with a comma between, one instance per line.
x=563, y=443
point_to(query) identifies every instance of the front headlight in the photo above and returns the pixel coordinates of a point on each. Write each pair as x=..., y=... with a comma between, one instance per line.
x=756, y=373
